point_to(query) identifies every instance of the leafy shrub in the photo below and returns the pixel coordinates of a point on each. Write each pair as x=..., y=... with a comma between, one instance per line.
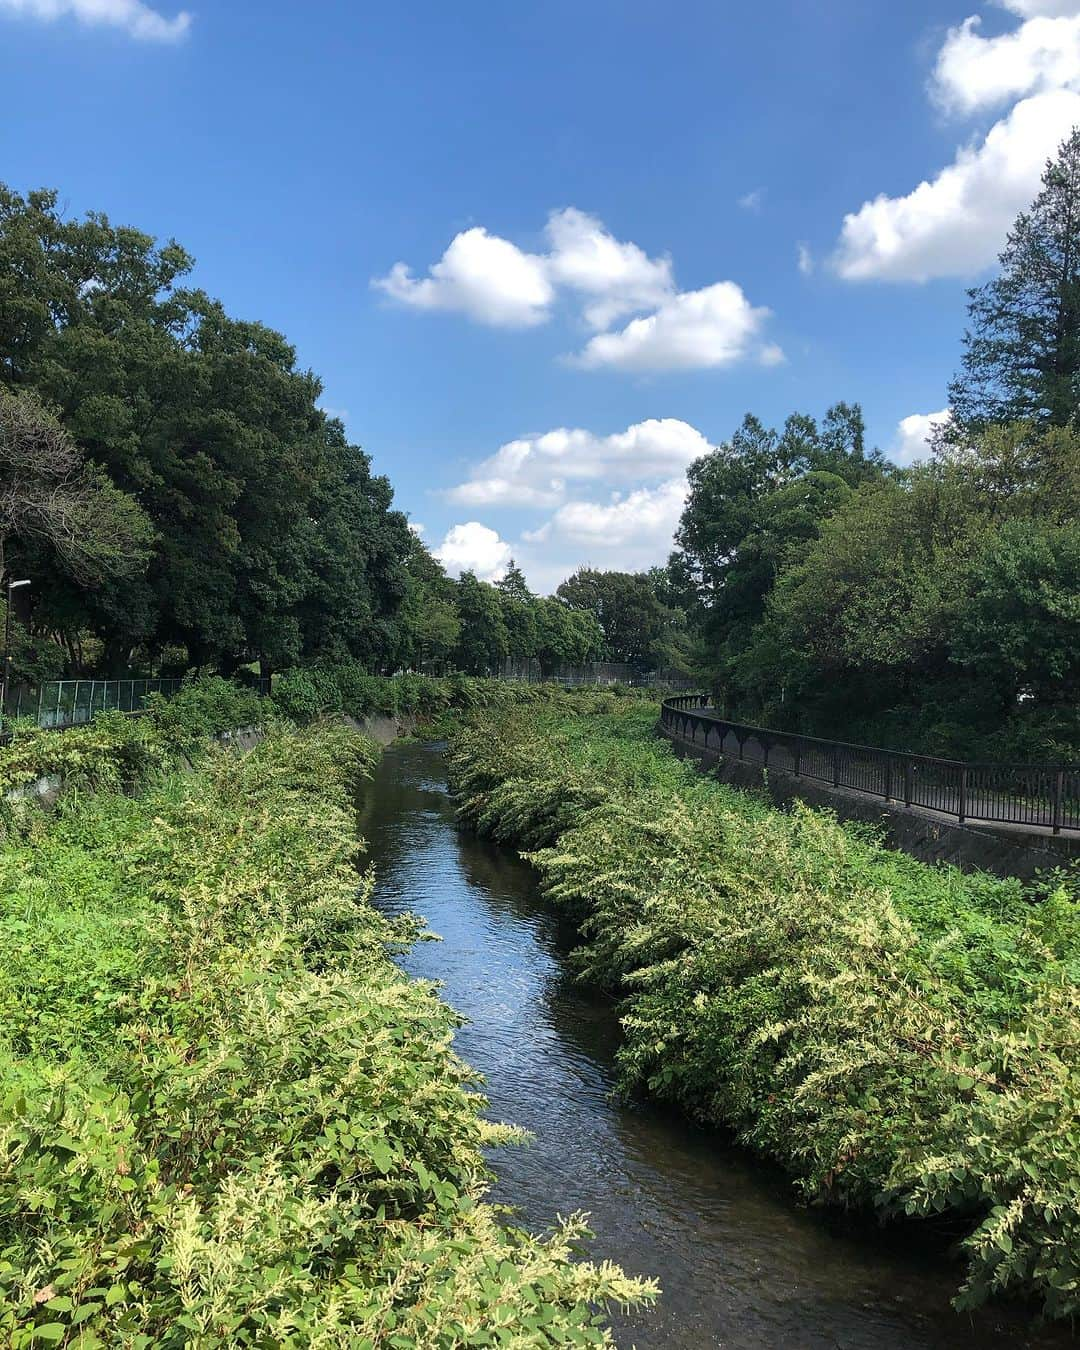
x=306, y=694
x=311, y=692
x=116, y=752
x=209, y=706
x=897, y=1035
x=226, y=1117
x=108, y=753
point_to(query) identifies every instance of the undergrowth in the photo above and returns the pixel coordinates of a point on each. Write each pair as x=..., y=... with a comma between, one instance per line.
x=226, y=1117
x=897, y=1035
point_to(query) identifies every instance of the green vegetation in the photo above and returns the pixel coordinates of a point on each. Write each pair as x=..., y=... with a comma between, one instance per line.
x=896, y=1035
x=211, y=515
x=226, y=1117
x=324, y=691
x=180, y=502
x=1022, y=352
x=933, y=608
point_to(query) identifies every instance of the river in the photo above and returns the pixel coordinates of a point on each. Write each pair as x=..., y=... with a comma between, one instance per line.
x=741, y=1264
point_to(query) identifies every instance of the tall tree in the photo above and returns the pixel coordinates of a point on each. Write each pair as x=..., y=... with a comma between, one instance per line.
x=729, y=484
x=518, y=613
x=755, y=504
x=564, y=636
x=1022, y=349
x=429, y=628
x=50, y=497
x=484, y=642
x=275, y=540
x=626, y=607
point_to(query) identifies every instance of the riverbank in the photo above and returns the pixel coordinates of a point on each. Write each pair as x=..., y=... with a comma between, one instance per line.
x=226, y=1117
x=902, y=1039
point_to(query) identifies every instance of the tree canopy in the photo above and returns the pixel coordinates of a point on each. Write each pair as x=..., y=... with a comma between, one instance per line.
x=274, y=540
x=1022, y=350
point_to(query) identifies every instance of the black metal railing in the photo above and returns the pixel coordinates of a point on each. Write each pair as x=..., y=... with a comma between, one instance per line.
x=1045, y=796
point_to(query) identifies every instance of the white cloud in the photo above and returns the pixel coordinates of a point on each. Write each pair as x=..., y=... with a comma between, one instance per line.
x=913, y=436
x=481, y=275
x=1029, y=8
x=535, y=470
x=751, y=201
x=620, y=277
x=694, y=330
x=804, y=258
x=974, y=72
x=473, y=547
x=956, y=224
x=138, y=20
x=628, y=532
x=417, y=529
x=645, y=519
x=495, y=282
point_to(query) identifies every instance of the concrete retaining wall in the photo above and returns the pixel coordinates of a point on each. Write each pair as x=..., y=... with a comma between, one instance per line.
x=923, y=835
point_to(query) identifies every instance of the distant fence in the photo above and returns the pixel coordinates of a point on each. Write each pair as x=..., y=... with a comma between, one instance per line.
x=71, y=703
x=1047, y=796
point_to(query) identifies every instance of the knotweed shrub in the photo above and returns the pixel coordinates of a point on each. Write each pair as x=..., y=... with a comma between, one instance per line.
x=897, y=1035
x=226, y=1118
x=109, y=753
x=312, y=692
x=206, y=706
x=116, y=751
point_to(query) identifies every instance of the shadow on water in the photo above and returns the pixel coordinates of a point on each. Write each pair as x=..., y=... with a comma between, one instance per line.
x=741, y=1264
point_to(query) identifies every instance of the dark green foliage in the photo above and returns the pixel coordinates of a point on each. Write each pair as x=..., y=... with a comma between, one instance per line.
x=936, y=612
x=896, y=1035
x=626, y=607
x=755, y=507
x=931, y=609
x=484, y=642
x=1022, y=352
x=275, y=540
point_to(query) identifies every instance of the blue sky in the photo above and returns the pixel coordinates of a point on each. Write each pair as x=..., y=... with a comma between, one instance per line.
x=487, y=225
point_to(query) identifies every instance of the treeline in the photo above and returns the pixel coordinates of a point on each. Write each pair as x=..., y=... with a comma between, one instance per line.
x=475, y=626
x=225, y=518
x=179, y=500
x=935, y=607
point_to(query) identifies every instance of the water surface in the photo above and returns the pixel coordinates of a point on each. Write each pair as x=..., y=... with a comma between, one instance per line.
x=742, y=1265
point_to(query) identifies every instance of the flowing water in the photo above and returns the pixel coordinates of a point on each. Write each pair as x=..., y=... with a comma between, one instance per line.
x=741, y=1264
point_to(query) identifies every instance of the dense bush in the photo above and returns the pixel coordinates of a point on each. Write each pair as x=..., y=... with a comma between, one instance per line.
x=105, y=754
x=310, y=692
x=204, y=707
x=226, y=1117
x=117, y=752
x=897, y=1035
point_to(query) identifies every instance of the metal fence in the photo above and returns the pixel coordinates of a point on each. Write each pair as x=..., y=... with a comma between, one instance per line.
x=71, y=703
x=1046, y=796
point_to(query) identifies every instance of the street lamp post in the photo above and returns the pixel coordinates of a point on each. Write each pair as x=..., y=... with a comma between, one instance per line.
x=11, y=586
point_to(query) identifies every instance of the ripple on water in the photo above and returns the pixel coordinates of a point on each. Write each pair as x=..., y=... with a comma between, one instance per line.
x=741, y=1264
